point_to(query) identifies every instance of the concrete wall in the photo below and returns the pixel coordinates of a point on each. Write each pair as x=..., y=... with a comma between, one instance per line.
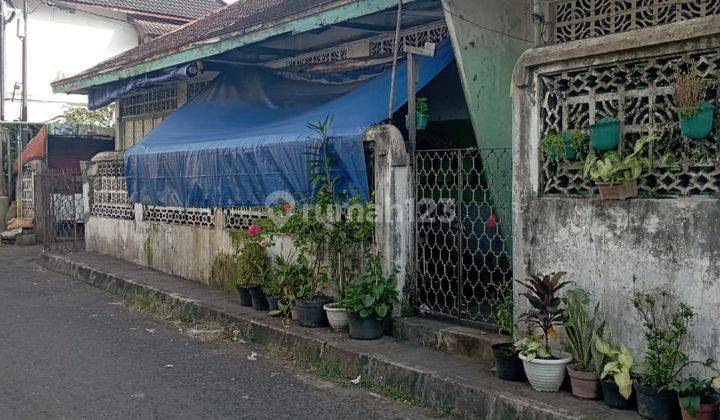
x=60, y=43
x=666, y=243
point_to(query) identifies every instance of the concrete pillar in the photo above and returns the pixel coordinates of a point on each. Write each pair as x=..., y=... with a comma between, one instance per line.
x=395, y=206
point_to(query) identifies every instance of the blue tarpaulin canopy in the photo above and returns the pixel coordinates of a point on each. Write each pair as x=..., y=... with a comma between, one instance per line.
x=245, y=138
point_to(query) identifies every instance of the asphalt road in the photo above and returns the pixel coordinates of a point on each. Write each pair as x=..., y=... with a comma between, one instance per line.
x=68, y=350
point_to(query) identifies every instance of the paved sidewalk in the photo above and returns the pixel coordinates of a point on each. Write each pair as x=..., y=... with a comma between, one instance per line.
x=443, y=381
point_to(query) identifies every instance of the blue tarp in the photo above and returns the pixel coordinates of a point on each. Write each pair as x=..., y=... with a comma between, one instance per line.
x=245, y=138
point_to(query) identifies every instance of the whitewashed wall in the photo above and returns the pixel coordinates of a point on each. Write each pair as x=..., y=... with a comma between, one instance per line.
x=60, y=44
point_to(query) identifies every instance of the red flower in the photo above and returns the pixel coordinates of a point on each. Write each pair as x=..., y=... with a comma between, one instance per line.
x=287, y=207
x=492, y=221
x=254, y=230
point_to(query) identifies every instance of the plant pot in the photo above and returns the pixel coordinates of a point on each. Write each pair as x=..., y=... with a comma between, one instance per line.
x=273, y=303
x=245, y=299
x=546, y=375
x=699, y=125
x=617, y=191
x=613, y=398
x=259, y=300
x=337, y=316
x=365, y=328
x=294, y=313
x=708, y=407
x=569, y=152
x=584, y=384
x=421, y=121
x=508, y=365
x=605, y=134
x=657, y=405
x=311, y=313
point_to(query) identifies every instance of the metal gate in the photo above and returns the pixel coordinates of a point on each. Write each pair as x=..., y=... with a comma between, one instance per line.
x=59, y=213
x=463, y=232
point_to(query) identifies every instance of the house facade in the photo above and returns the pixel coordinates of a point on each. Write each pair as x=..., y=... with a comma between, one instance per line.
x=65, y=37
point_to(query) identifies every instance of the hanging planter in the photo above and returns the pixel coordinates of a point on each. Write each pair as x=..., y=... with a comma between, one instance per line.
x=697, y=123
x=421, y=115
x=605, y=134
x=559, y=146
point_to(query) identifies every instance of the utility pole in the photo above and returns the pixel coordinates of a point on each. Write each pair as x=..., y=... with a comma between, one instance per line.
x=2, y=60
x=24, y=112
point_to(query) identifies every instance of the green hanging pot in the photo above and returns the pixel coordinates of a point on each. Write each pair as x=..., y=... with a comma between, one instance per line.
x=570, y=152
x=605, y=134
x=421, y=121
x=700, y=124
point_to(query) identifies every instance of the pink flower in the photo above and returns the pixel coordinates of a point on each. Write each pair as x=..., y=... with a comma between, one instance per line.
x=254, y=230
x=287, y=207
x=492, y=221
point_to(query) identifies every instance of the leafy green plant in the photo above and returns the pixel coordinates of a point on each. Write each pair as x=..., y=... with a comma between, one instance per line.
x=103, y=117
x=613, y=168
x=665, y=327
x=580, y=141
x=583, y=329
x=546, y=311
x=504, y=316
x=252, y=262
x=553, y=144
x=421, y=106
x=619, y=365
x=532, y=348
x=373, y=294
x=693, y=391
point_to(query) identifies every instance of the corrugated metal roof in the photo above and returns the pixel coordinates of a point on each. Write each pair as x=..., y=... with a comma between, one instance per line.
x=188, y=9
x=242, y=15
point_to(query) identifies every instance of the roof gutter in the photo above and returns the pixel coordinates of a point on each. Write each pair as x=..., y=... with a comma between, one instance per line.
x=206, y=48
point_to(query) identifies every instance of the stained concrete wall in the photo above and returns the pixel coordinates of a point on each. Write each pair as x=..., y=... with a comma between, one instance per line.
x=667, y=244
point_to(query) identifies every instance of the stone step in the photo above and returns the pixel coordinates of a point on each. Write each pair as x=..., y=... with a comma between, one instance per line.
x=448, y=337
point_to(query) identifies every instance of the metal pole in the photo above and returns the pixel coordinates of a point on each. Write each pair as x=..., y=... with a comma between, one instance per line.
x=18, y=189
x=2, y=61
x=24, y=112
x=391, y=106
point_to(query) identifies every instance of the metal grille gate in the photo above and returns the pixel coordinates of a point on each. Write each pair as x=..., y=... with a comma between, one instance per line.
x=59, y=215
x=463, y=232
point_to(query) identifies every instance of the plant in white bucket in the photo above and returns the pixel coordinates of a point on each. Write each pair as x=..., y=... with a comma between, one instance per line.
x=544, y=368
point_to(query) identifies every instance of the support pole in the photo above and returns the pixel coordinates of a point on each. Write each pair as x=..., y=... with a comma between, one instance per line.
x=2, y=63
x=396, y=50
x=411, y=84
x=24, y=98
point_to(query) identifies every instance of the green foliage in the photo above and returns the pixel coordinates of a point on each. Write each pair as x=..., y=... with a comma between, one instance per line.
x=504, y=316
x=532, y=348
x=545, y=303
x=614, y=168
x=553, y=144
x=583, y=329
x=665, y=329
x=692, y=391
x=619, y=364
x=373, y=294
x=252, y=262
x=580, y=142
x=103, y=117
x=421, y=106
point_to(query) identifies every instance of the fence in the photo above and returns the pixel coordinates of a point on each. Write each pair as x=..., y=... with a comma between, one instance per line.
x=59, y=203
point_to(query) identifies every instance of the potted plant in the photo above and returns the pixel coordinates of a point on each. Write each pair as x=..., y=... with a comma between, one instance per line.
x=422, y=114
x=544, y=370
x=616, y=176
x=696, y=115
x=582, y=330
x=564, y=146
x=605, y=134
x=252, y=261
x=698, y=397
x=665, y=325
x=310, y=301
x=615, y=380
x=370, y=300
x=508, y=365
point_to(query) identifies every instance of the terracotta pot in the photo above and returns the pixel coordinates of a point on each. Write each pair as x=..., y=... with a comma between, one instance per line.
x=546, y=375
x=584, y=384
x=617, y=191
x=707, y=411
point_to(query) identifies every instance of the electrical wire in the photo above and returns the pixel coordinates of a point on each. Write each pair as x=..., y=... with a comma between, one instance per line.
x=464, y=19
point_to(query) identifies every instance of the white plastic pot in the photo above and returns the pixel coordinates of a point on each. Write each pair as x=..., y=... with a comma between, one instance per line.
x=337, y=316
x=546, y=375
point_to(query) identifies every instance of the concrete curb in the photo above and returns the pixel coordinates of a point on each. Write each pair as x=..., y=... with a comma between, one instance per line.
x=474, y=394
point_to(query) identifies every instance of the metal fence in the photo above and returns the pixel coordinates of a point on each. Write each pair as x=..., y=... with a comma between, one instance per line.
x=59, y=210
x=463, y=225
